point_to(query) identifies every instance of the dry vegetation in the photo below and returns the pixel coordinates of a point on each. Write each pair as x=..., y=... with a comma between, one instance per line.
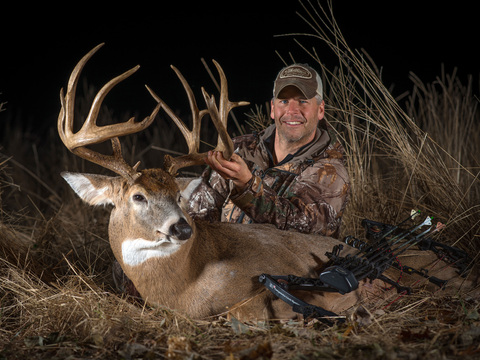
x=56, y=296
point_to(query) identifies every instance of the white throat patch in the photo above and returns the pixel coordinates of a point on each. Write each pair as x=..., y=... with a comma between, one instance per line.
x=137, y=251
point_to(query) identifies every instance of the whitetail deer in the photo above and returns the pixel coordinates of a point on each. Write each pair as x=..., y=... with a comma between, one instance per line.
x=198, y=268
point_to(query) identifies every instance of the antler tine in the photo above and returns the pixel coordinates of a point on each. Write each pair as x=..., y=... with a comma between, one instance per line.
x=90, y=133
x=219, y=114
x=197, y=115
x=172, y=165
x=192, y=137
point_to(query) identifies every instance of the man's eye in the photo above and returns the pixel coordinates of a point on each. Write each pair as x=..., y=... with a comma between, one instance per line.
x=139, y=198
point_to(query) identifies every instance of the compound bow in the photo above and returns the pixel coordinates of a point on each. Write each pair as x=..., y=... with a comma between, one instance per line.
x=373, y=258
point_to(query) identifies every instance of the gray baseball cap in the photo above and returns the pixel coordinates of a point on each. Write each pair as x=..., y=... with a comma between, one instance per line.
x=303, y=77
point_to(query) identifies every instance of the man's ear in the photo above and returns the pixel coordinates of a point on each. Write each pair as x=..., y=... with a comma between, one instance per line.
x=93, y=189
x=321, y=110
x=272, y=114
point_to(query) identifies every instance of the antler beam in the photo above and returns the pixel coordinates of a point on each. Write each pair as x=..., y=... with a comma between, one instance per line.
x=90, y=133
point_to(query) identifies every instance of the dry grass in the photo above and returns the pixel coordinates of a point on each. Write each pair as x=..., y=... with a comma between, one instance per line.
x=56, y=296
x=423, y=155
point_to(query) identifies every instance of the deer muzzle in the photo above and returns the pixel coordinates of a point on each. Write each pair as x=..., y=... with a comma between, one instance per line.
x=181, y=230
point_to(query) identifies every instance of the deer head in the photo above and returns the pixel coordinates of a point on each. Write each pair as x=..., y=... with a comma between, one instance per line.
x=148, y=217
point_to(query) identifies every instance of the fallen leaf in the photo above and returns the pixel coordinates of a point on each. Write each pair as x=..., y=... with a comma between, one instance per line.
x=237, y=326
x=473, y=315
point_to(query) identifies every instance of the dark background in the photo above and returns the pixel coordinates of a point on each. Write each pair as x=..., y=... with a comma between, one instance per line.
x=40, y=46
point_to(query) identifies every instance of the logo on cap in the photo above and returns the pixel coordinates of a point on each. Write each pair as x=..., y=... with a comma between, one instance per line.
x=296, y=71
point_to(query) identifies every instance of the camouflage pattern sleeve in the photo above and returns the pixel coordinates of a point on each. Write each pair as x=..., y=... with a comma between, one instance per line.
x=307, y=195
x=311, y=202
x=208, y=198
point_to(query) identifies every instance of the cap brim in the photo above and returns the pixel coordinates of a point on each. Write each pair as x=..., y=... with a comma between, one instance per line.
x=307, y=93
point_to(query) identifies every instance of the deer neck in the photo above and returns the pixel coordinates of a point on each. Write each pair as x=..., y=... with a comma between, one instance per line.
x=164, y=276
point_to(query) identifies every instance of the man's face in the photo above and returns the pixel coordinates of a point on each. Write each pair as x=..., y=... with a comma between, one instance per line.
x=296, y=118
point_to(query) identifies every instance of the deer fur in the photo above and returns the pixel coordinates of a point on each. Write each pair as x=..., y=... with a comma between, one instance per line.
x=205, y=268
x=216, y=267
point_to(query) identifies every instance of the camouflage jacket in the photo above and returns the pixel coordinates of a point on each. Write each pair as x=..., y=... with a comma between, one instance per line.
x=306, y=192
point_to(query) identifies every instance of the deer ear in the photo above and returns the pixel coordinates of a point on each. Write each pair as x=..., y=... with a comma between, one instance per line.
x=187, y=186
x=93, y=189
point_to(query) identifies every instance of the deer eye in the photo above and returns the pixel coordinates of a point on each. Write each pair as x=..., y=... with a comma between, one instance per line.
x=139, y=198
x=179, y=197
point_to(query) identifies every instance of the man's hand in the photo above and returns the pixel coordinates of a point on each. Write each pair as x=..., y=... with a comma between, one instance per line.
x=234, y=169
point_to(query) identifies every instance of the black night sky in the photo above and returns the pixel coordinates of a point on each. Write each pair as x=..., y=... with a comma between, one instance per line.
x=41, y=46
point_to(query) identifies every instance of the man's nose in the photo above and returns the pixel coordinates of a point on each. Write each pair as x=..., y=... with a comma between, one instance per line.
x=293, y=107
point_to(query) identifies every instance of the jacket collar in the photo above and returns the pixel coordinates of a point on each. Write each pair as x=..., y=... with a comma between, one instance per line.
x=309, y=151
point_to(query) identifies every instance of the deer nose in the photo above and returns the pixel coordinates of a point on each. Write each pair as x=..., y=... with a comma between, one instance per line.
x=181, y=230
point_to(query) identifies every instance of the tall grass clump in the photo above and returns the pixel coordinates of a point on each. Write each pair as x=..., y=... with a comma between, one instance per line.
x=422, y=156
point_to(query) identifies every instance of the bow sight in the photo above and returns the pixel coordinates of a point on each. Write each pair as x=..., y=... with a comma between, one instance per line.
x=381, y=250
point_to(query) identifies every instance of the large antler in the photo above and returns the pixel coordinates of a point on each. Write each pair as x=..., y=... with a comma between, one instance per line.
x=90, y=133
x=219, y=116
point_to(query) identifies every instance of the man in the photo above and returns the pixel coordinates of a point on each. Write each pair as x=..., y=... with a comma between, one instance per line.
x=292, y=174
